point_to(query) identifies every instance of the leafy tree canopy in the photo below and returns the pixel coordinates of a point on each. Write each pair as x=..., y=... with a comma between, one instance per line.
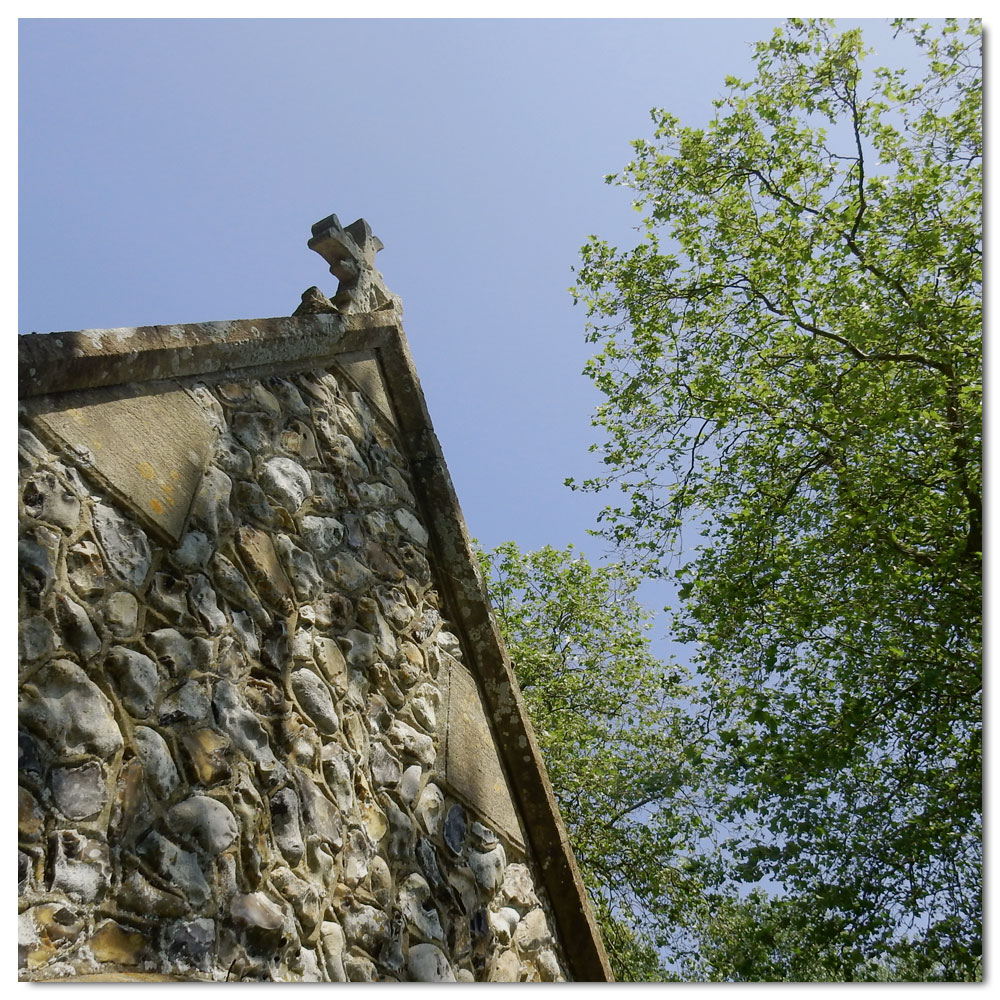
x=621, y=751
x=791, y=369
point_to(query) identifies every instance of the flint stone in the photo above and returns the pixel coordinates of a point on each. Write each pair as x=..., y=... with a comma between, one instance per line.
x=180, y=868
x=518, y=887
x=112, y=942
x=503, y=923
x=191, y=943
x=300, y=568
x=391, y=956
x=338, y=773
x=411, y=526
x=402, y=840
x=29, y=447
x=364, y=926
x=252, y=500
x=188, y=704
x=288, y=396
x=77, y=628
x=321, y=818
x=417, y=907
x=347, y=574
x=331, y=661
x=169, y=596
x=136, y=679
x=258, y=551
x=488, y=867
x=204, y=822
x=360, y=970
x=29, y=760
x=157, y=764
x=375, y=495
x=212, y=502
x=371, y=618
x=80, y=792
x=381, y=880
x=393, y=477
x=81, y=867
x=253, y=430
x=172, y=650
x=286, y=481
x=85, y=569
x=203, y=603
x=314, y=698
x=548, y=966
x=234, y=588
x=361, y=649
x=426, y=963
x=382, y=563
x=409, y=784
x=36, y=639
x=243, y=627
x=424, y=714
x=430, y=807
x=265, y=399
x=483, y=835
x=262, y=919
x=35, y=561
x=412, y=743
x=454, y=828
x=125, y=545
x=356, y=857
x=326, y=492
x=30, y=818
x=48, y=499
x=424, y=628
x=285, y=822
x=349, y=423
x=121, y=614
x=322, y=535
x=194, y=551
x=236, y=461
x=140, y=896
x=24, y=871
x=71, y=711
x=506, y=968
x=332, y=939
x=427, y=857
x=395, y=606
x=532, y=932
x=414, y=563
x=243, y=726
x=385, y=768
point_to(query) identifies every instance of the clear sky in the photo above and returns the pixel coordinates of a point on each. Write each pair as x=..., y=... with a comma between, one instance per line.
x=170, y=171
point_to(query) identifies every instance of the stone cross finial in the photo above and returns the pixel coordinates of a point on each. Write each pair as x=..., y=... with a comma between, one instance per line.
x=350, y=252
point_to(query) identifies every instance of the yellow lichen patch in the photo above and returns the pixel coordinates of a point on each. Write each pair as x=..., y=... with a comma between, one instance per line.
x=146, y=471
x=168, y=492
x=156, y=505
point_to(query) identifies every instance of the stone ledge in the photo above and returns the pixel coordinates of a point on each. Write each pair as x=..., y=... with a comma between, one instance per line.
x=87, y=359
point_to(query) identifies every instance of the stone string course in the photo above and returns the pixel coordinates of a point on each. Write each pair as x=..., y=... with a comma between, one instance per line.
x=231, y=750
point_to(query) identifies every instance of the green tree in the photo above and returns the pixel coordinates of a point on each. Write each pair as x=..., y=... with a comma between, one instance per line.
x=620, y=747
x=791, y=366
